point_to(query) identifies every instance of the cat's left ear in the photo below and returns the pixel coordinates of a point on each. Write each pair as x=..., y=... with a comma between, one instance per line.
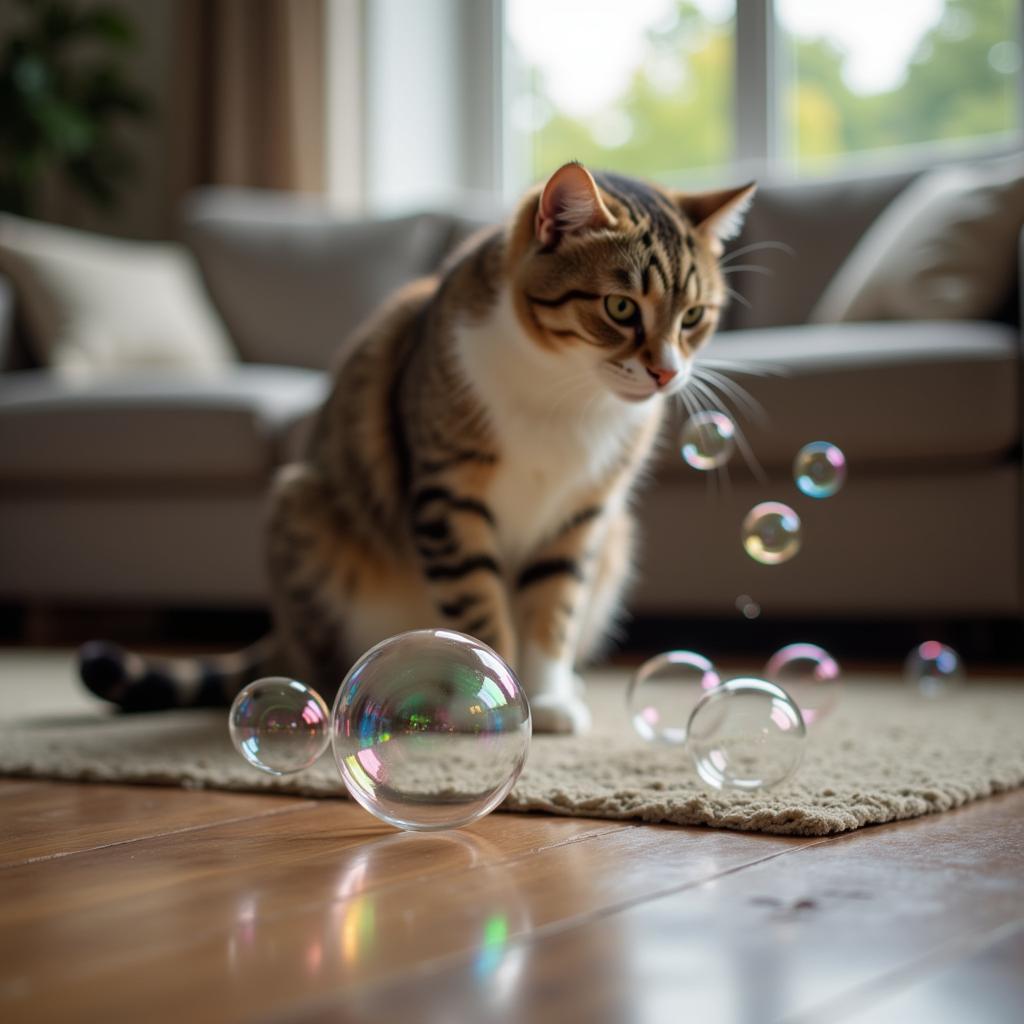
x=570, y=202
x=718, y=215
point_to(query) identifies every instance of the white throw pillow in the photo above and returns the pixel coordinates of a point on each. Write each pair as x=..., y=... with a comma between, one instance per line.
x=944, y=249
x=96, y=305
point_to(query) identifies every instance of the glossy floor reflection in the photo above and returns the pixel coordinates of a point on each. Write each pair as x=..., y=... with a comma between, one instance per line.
x=127, y=903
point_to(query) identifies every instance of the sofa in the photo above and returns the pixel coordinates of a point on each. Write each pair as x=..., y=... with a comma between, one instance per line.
x=148, y=489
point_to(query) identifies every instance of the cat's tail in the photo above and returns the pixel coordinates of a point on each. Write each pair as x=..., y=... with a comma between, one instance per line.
x=137, y=682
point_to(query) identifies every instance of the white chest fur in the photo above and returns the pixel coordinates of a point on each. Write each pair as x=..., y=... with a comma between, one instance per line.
x=559, y=429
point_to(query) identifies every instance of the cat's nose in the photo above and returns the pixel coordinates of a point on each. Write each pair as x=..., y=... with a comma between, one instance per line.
x=662, y=375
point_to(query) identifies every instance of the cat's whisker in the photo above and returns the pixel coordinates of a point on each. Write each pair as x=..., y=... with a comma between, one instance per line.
x=692, y=404
x=741, y=440
x=753, y=368
x=739, y=394
x=753, y=247
x=736, y=295
x=751, y=268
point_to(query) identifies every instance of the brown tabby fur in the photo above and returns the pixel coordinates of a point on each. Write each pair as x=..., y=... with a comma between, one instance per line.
x=390, y=521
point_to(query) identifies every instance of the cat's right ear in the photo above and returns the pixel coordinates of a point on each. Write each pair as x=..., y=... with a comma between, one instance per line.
x=570, y=202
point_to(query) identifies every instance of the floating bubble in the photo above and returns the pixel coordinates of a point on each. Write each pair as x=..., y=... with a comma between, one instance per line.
x=279, y=725
x=819, y=469
x=771, y=533
x=810, y=675
x=748, y=607
x=934, y=668
x=746, y=734
x=665, y=690
x=430, y=730
x=708, y=440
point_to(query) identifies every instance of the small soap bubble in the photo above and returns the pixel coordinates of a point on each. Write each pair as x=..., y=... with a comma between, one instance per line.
x=810, y=675
x=748, y=607
x=279, y=725
x=746, y=734
x=934, y=668
x=665, y=690
x=430, y=730
x=819, y=469
x=708, y=440
x=771, y=533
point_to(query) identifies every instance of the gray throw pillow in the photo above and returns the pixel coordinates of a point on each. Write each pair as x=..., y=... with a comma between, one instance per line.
x=292, y=280
x=944, y=249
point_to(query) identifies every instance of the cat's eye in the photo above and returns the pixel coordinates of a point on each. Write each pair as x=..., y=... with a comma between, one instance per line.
x=693, y=316
x=620, y=308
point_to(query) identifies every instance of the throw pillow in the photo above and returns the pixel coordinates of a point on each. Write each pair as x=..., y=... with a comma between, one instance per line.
x=944, y=249
x=95, y=305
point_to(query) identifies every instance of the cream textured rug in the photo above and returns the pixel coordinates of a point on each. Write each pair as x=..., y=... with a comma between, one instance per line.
x=885, y=754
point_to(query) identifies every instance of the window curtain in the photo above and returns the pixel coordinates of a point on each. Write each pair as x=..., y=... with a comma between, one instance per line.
x=249, y=95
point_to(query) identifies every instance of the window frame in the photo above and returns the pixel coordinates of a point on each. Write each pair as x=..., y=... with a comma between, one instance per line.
x=759, y=151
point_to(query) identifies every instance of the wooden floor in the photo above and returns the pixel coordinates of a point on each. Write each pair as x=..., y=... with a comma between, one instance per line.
x=143, y=904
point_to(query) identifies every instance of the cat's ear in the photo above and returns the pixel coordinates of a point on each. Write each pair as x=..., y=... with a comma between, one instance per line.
x=719, y=215
x=570, y=202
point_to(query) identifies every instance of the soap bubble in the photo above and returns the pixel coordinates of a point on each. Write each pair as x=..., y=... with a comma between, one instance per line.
x=934, y=668
x=748, y=607
x=279, y=725
x=665, y=690
x=771, y=533
x=430, y=730
x=708, y=440
x=746, y=734
x=810, y=675
x=819, y=469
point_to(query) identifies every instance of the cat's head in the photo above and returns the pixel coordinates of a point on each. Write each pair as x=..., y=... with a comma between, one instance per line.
x=622, y=274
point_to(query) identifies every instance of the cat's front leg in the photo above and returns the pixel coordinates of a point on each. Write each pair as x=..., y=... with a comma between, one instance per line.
x=550, y=605
x=454, y=536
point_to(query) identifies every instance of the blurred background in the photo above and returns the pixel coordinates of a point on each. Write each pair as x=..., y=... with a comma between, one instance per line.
x=381, y=105
x=305, y=156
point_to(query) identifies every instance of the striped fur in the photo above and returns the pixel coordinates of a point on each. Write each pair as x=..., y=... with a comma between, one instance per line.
x=474, y=463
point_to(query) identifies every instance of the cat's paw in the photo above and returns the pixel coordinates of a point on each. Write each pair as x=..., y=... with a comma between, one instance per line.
x=559, y=713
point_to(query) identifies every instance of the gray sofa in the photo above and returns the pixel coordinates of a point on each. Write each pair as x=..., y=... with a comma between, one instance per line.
x=150, y=490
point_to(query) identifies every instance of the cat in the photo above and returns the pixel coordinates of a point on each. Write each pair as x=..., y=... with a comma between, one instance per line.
x=473, y=465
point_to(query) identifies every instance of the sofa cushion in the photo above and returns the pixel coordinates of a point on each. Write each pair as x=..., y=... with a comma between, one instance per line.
x=291, y=280
x=95, y=305
x=147, y=428
x=889, y=394
x=809, y=228
x=945, y=248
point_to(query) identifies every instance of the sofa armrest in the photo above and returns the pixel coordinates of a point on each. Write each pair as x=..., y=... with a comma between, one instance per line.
x=6, y=323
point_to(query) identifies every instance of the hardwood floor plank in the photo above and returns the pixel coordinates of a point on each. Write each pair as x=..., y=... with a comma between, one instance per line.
x=257, y=920
x=797, y=937
x=48, y=819
x=985, y=986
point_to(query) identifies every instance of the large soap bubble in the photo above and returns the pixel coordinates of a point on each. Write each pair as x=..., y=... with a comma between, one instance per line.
x=430, y=730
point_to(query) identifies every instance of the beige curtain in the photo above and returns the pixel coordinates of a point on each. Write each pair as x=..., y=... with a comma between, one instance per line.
x=248, y=98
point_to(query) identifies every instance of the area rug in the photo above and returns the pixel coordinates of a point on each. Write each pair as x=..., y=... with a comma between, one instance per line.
x=886, y=754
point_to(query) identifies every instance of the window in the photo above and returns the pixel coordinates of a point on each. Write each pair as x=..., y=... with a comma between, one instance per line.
x=678, y=89
x=644, y=87
x=875, y=75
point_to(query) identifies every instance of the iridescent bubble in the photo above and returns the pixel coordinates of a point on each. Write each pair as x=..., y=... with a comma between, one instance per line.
x=748, y=607
x=810, y=675
x=819, y=469
x=665, y=690
x=430, y=730
x=771, y=533
x=934, y=668
x=279, y=725
x=708, y=440
x=746, y=734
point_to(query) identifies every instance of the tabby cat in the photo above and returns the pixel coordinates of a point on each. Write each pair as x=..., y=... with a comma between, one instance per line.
x=473, y=465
